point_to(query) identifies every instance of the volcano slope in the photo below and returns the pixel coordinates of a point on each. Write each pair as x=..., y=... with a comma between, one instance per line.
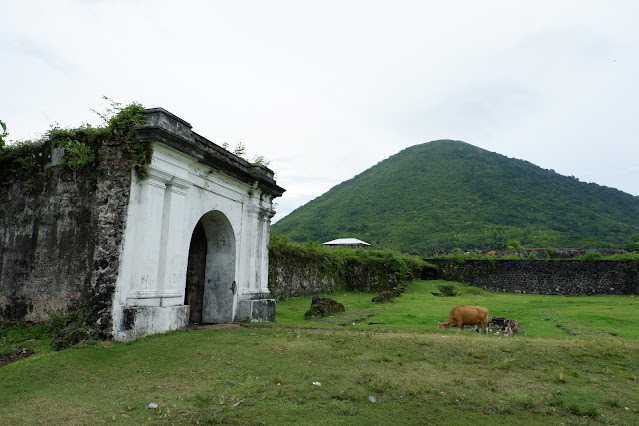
x=449, y=194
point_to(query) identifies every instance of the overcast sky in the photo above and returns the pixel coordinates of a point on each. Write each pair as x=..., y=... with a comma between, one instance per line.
x=327, y=89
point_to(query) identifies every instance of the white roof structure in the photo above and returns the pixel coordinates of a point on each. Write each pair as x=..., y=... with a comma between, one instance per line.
x=345, y=242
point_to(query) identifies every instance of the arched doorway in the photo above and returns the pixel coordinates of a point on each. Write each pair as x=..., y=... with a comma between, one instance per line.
x=196, y=274
x=210, y=277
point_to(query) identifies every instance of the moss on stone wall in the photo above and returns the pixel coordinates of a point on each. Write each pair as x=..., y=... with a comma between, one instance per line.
x=308, y=269
x=77, y=149
x=62, y=217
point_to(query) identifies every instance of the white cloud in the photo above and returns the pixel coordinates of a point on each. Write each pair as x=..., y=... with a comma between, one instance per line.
x=326, y=90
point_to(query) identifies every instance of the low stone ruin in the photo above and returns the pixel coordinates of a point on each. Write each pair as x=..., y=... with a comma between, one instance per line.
x=446, y=291
x=506, y=326
x=384, y=296
x=322, y=307
x=389, y=295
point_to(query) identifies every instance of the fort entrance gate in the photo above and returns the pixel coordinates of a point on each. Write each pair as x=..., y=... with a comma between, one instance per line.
x=197, y=230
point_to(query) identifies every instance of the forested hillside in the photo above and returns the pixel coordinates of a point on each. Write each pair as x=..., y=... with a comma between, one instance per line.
x=449, y=194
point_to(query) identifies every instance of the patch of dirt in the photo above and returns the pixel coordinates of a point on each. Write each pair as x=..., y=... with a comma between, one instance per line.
x=348, y=318
x=14, y=355
x=257, y=326
x=566, y=329
x=223, y=326
x=576, y=328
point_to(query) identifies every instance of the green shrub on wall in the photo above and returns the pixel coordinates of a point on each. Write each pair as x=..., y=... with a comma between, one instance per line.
x=344, y=265
x=76, y=154
x=591, y=255
x=552, y=254
x=3, y=134
x=81, y=146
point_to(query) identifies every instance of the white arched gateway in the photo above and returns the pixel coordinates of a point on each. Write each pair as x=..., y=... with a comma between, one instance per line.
x=196, y=239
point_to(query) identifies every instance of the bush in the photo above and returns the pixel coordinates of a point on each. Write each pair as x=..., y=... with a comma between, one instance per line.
x=58, y=320
x=632, y=247
x=591, y=255
x=76, y=154
x=512, y=257
x=126, y=119
x=552, y=254
x=4, y=134
x=513, y=245
x=81, y=145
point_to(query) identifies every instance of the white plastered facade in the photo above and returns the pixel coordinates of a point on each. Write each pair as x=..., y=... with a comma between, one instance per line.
x=163, y=211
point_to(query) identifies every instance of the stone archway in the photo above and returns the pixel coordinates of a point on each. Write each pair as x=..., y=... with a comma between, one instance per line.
x=188, y=177
x=210, y=283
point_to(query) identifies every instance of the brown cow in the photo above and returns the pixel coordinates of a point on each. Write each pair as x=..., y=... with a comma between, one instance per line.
x=466, y=315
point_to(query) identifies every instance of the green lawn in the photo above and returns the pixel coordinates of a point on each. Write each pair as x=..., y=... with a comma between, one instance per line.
x=417, y=310
x=416, y=373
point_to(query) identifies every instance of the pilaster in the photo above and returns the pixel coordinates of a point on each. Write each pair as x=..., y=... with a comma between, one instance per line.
x=146, y=240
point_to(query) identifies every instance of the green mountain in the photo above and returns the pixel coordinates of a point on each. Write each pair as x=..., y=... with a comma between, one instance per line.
x=449, y=194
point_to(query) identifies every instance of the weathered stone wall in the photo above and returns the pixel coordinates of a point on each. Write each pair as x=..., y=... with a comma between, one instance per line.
x=369, y=276
x=60, y=233
x=296, y=274
x=293, y=276
x=109, y=216
x=47, y=244
x=562, y=277
x=540, y=253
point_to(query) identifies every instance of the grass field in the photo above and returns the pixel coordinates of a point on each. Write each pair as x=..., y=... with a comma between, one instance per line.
x=417, y=310
x=414, y=372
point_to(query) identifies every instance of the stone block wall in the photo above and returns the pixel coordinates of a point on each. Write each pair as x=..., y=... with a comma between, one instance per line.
x=64, y=206
x=45, y=227
x=561, y=277
x=60, y=235
x=369, y=276
x=540, y=253
x=296, y=274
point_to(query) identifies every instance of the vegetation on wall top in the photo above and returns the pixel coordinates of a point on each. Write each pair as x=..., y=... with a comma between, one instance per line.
x=449, y=194
x=395, y=262
x=4, y=133
x=240, y=151
x=80, y=146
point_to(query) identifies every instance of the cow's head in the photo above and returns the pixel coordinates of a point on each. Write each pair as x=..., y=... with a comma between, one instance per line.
x=444, y=325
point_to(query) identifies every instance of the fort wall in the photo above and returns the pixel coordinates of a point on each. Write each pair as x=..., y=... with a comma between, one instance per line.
x=295, y=274
x=61, y=232
x=562, y=277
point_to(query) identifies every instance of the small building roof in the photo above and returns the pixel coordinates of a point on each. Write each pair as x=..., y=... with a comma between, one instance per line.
x=346, y=242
